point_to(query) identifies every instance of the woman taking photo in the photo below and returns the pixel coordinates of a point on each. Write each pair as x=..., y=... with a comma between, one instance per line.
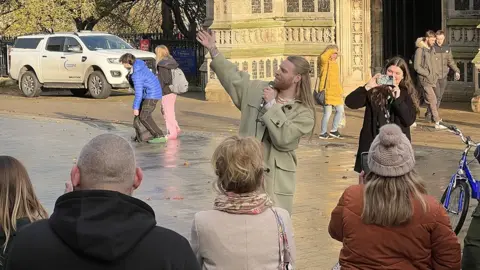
x=384, y=104
x=165, y=64
x=330, y=83
x=390, y=222
x=243, y=231
x=19, y=206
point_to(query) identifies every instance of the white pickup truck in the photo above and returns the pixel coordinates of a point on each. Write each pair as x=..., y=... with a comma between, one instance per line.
x=80, y=62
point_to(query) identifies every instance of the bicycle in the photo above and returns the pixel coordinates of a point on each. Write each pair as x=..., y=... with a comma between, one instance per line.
x=463, y=182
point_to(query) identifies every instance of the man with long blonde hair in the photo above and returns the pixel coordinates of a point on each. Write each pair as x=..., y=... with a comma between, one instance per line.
x=278, y=113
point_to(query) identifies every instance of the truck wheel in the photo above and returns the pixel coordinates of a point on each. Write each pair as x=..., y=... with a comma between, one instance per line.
x=79, y=92
x=98, y=86
x=30, y=85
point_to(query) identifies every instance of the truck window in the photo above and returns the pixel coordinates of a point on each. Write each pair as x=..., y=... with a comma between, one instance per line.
x=55, y=44
x=104, y=42
x=27, y=43
x=69, y=41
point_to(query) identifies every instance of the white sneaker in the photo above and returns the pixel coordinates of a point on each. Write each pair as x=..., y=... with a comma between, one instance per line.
x=439, y=126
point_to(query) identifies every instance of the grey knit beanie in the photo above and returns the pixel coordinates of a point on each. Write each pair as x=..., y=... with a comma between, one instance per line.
x=391, y=153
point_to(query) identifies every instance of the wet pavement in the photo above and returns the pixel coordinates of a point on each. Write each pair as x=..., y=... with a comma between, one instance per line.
x=178, y=175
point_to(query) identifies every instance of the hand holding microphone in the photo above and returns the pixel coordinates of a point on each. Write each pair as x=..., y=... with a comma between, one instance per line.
x=269, y=94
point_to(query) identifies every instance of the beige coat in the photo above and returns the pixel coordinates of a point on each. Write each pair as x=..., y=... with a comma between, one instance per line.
x=226, y=241
x=279, y=128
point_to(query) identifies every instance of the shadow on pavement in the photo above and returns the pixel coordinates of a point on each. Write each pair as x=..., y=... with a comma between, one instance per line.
x=93, y=122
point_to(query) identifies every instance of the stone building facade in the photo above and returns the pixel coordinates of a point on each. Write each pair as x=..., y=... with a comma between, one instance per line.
x=258, y=34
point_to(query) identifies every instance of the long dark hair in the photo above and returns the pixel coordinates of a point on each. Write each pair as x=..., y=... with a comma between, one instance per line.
x=407, y=82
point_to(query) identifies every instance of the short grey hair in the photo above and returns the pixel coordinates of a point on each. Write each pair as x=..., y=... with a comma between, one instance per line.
x=107, y=160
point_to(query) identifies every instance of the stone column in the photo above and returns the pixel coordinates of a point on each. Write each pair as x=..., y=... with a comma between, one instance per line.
x=354, y=39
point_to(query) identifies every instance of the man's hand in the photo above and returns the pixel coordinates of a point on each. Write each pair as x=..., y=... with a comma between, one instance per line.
x=206, y=39
x=269, y=94
x=457, y=76
x=136, y=112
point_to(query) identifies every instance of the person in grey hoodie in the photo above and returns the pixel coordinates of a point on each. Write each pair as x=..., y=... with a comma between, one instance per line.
x=165, y=64
x=425, y=65
x=444, y=63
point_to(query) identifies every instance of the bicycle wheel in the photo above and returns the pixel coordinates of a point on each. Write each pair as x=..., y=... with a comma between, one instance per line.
x=457, y=207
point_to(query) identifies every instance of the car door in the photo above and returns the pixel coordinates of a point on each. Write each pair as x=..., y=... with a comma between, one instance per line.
x=52, y=59
x=73, y=66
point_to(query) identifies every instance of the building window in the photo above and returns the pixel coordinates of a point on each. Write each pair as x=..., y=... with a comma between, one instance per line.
x=470, y=67
x=254, y=70
x=245, y=66
x=465, y=4
x=293, y=5
x=269, y=68
x=308, y=5
x=323, y=5
x=262, y=69
x=312, y=68
x=275, y=65
x=267, y=6
x=256, y=6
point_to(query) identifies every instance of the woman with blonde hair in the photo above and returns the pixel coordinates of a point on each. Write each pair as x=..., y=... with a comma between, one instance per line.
x=329, y=81
x=243, y=231
x=388, y=221
x=19, y=206
x=165, y=64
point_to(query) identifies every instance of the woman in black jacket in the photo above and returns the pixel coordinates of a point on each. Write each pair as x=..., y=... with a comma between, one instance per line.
x=384, y=104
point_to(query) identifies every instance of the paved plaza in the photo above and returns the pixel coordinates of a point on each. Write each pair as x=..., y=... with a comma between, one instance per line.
x=178, y=176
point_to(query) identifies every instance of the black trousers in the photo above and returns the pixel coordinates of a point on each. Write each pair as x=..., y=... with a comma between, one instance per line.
x=145, y=119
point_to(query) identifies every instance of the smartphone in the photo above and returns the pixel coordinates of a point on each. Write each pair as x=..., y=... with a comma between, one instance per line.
x=364, y=162
x=385, y=80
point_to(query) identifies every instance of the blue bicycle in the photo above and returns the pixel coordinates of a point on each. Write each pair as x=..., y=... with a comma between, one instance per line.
x=456, y=197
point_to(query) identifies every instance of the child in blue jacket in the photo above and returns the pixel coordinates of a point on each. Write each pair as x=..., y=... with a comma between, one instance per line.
x=147, y=93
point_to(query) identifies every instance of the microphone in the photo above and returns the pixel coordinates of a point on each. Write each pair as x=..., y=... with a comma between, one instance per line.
x=271, y=84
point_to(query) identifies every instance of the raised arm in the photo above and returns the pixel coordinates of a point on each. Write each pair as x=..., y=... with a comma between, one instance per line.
x=286, y=133
x=357, y=99
x=235, y=82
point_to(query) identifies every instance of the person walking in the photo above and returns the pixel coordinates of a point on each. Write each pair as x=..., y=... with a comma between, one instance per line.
x=278, y=116
x=426, y=67
x=165, y=64
x=330, y=83
x=444, y=62
x=147, y=94
x=99, y=225
x=388, y=221
x=244, y=230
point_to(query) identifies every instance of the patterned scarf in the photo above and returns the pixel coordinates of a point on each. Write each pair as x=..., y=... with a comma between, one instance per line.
x=248, y=203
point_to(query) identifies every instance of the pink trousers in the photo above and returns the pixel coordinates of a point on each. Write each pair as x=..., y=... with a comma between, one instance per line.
x=168, y=103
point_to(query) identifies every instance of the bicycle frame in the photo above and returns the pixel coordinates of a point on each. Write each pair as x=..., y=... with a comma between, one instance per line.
x=463, y=173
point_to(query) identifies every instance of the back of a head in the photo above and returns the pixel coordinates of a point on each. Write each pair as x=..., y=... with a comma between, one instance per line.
x=107, y=162
x=17, y=197
x=238, y=163
x=392, y=182
x=127, y=58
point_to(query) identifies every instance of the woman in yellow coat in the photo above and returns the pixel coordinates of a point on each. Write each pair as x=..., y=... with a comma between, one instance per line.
x=330, y=83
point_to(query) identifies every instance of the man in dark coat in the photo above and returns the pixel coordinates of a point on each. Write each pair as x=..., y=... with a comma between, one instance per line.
x=99, y=225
